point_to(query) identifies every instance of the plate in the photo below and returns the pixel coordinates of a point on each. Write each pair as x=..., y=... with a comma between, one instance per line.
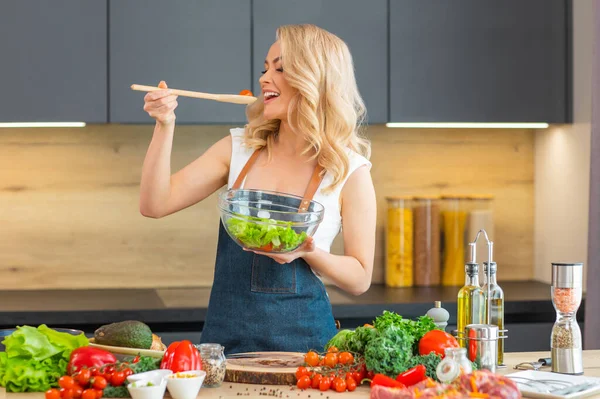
x=534, y=384
x=128, y=351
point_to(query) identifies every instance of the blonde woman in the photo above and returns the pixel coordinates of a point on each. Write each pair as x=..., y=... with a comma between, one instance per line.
x=306, y=122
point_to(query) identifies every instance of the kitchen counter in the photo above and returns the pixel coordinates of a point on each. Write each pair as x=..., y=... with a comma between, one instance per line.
x=591, y=362
x=181, y=310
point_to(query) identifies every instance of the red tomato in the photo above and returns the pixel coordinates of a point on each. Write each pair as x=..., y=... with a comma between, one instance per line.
x=83, y=377
x=339, y=384
x=331, y=359
x=53, y=394
x=99, y=393
x=135, y=359
x=89, y=394
x=303, y=382
x=95, y=371
x=436, y=341
x=99, y=382
x=245, y=93
x=311, y=358
x=301, y=372
x=127, y=372
x=117, y=379
x=346, y=358
x=325, y=384
x=332, y=349
x=350, y=384
x=77, y=391
x=66, y=393
x=316, y=380
x=66, y=382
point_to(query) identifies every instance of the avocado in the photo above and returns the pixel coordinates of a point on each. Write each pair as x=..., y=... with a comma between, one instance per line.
x=128, y=333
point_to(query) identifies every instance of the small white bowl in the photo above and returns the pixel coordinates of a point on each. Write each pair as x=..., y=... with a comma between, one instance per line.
x=156, y=376
x=156, y=391
x=185, y=388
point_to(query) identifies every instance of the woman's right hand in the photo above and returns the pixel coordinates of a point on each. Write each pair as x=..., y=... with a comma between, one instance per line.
x=161, y=104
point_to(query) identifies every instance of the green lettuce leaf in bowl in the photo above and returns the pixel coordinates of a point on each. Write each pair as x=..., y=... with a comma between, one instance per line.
x=265, y=234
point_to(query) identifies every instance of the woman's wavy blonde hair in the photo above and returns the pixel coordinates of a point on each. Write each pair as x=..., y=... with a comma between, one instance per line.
x=327, y=109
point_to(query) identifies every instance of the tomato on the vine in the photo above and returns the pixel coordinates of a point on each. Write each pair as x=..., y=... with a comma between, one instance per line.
x=301, y=372
x=316, y=380
x=52, y=394
x=311, y=358
x=66, y=382
x=89, y=394
x=331, y=359
x=332, y=349
x=325, y=383
x=346, y=358
x=83, y=377
x=127, y=372
x=117, y=379
x=339, y=384
x=99, y=393
x=66, y=393
x=303, y=382
x=350, y=384
x=99, y=382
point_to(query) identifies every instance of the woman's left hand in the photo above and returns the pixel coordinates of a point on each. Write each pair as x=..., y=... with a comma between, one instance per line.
x=307, y=246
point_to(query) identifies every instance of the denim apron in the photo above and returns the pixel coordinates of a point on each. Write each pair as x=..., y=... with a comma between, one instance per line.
x=257, y=304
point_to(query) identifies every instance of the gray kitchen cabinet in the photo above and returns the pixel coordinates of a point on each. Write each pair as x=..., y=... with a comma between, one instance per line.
x=53, y=61
x=479, y=61
x=361, y=24
x=199, y=45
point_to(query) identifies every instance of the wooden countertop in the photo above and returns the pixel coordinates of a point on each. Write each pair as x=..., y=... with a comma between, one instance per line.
x=591, y=362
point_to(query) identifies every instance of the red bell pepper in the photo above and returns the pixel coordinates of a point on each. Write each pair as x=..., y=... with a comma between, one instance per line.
x=181, y=356
x=86, y=357
x=412, y=376
x=384, y=380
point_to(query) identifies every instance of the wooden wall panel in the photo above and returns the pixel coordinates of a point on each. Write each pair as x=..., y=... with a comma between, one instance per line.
x=69, y=202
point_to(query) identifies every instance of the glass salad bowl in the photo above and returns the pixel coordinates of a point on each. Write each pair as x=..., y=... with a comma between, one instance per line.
x=268, y=221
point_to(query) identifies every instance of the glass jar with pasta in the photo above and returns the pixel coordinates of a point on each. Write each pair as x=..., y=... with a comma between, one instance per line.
x=454, y=221
x=399, y=242
x=426, y=211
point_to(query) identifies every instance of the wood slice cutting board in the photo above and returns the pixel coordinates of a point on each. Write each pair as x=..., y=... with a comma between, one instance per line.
x=269, y=368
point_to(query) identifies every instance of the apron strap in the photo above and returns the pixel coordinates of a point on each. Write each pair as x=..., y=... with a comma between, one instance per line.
x=311, y=189
x=245, y=169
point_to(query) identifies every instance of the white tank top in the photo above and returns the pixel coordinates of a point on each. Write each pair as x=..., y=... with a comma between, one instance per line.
x=332, y=219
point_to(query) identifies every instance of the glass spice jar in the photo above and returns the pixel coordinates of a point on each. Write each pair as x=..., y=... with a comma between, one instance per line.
x=427, y=264
x=214, y=363
x=454, y=364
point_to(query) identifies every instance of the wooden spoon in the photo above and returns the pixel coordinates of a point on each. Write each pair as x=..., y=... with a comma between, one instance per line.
x=225, y=98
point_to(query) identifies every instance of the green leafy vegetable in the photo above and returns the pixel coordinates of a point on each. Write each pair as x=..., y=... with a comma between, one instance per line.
x=268, y=234
x=145, y=363
x=361, y=337
x=430, y=362
x=36, y=358
x=390, y=351
x=116, y=392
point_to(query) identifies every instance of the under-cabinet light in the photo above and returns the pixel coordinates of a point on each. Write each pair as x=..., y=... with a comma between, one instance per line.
x=468, y=125
x=42, y=124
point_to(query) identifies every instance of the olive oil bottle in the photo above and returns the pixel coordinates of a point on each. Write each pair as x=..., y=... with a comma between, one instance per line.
x=471, y=302
x=497, y=304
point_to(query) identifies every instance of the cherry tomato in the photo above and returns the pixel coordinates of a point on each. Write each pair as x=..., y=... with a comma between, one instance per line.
x=83, y=377
x=95, y=371
x=245, y=93
x=339, y=384
x=346, y=358
x=117, y=379
x=301, y=372
x=99, y=393
x=135, y=359
x=89, y=394
x=350, y=384
x=331, y=359
x=316, y=380
x=311, y=358
x=332, y=349
x=128, y=372
x=325, y=384
x=77, y=391
x=52, y=394
x=66, y=393
x=66, y=382
x=99, y=382
x=303, y=382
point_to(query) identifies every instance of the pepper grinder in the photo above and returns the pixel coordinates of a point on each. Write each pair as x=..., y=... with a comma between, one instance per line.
x=439, y=315
x=566, y=289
